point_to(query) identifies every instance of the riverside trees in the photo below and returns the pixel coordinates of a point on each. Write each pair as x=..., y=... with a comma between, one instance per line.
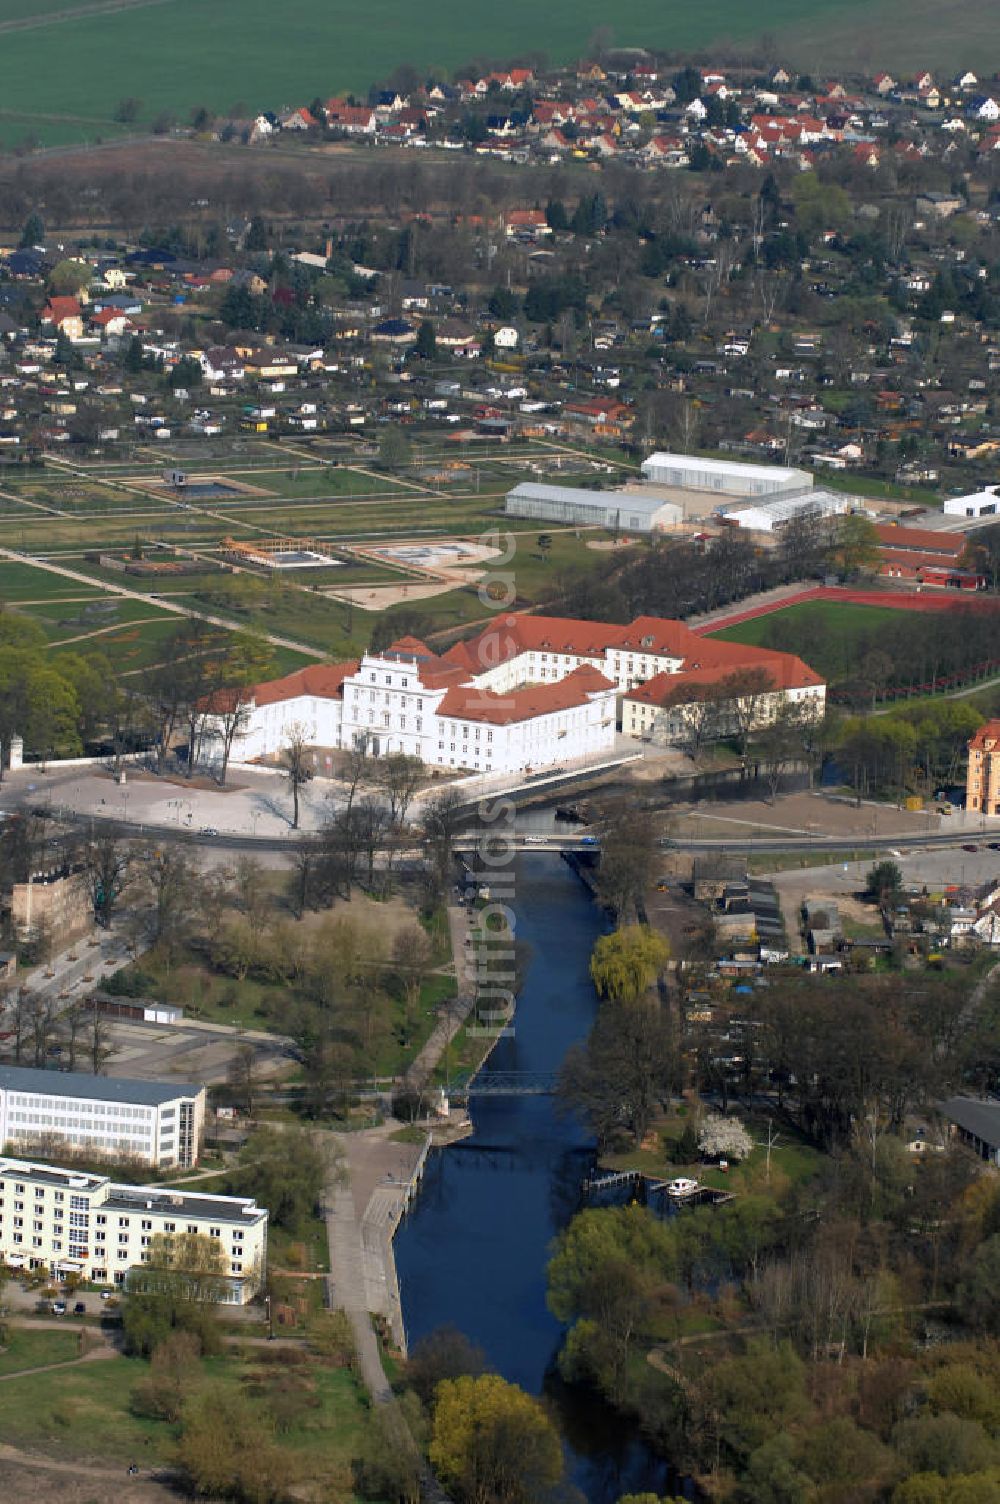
x=628, y=1066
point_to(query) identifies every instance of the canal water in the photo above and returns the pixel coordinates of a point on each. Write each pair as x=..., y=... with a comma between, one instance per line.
x=473, y=1250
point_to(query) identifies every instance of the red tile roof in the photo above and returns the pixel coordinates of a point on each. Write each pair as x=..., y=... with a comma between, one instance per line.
x=783, y=670
x=920, y=539
x=325, y=680
x=467, y=702
x=988, y=731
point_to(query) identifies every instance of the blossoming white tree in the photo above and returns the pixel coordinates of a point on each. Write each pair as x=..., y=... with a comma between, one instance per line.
x=724, y=1138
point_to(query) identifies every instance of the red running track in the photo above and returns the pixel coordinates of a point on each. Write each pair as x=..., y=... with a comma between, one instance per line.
x=893, y=600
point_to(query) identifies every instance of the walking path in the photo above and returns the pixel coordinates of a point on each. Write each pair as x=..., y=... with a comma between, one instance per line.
x=164, y=604
x=95, y=1355
x=346, y=1287
x=455, y=1012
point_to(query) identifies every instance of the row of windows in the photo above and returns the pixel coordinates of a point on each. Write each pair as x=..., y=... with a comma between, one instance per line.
x=91, y=1109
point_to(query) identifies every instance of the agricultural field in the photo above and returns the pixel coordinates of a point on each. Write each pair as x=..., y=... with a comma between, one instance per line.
x=243, y=62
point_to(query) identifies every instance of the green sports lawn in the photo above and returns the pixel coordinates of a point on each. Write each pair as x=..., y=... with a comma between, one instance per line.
x=181, y=54
x=833, y=621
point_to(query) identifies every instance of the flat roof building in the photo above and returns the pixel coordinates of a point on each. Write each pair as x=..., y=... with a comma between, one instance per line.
x=621, y=510
x=68, y=1222
x=977, y=504
x=690, y=472
x=156, y=1123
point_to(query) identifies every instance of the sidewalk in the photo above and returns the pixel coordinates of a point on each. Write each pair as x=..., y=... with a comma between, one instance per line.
x=454, y=1013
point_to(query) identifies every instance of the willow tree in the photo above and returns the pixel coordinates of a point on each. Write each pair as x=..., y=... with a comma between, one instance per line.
x=627, y=962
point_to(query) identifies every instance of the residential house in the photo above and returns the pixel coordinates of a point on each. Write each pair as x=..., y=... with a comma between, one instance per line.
x=65, y=315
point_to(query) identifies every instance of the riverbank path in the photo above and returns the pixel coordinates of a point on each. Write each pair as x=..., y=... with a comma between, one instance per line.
x=456, y=1011
x=346, y=1285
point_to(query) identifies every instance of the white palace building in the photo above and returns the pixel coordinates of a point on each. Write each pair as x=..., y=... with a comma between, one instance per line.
x=529, y=692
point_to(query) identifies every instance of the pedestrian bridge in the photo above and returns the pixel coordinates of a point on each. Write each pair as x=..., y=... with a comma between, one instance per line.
x=511, y=1084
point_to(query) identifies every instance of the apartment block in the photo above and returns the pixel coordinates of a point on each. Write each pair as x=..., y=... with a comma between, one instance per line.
x=71, y=1223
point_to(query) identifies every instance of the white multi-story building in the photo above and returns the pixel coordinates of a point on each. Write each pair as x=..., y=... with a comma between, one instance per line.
x=67, y=1222
x=157, y=1123
x=718, y=698
x=529, y=692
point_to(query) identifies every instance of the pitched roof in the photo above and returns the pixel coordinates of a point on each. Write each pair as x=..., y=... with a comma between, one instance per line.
x=920, y=539
x=324, y=680
x=989, y=731
x=507, y=636
x=783, y=670
x=975, y=1116
x=468, y=702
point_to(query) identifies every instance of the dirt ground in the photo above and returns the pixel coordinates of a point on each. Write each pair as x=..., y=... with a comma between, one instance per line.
x=802, y=814
x=42, y=1480
x=794, y=888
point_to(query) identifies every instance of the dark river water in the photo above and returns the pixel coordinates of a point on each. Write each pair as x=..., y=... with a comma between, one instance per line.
x=472, y=1252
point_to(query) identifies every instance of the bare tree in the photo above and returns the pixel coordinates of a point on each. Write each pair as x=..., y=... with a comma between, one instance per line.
x=297, y=767
x=107, y=861
x=399, y=776
x=75, y=1018
x=172, y=885
x=100, y=1044
x=243, y=1075
x=19, y=1015
x=441, y=823
x=412, y=954
x=41, y=1016
x=370, y=822
x=745, y=692
x=250, y=891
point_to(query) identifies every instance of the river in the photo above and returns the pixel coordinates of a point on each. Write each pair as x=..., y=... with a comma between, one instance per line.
x=472, y=1252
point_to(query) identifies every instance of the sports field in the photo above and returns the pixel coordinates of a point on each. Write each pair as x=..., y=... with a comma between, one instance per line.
x=175, y=55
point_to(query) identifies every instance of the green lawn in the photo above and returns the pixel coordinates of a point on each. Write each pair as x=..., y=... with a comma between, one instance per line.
x=791, y=1160
x=815, y=619
x=84, y=1413
x=25, y=1348
x=22, y=582
x=832, y=637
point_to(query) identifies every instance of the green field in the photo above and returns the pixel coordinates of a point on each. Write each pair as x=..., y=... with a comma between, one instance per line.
x=181, y=54
x=84, y=1413
x=833, y=621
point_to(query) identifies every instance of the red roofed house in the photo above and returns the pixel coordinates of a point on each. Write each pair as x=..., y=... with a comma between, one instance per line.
x=66, y=315
x=354, y=120
x=529, y=692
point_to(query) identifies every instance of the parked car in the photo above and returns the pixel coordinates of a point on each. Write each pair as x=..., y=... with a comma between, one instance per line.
x=59, y=1308
x=80, y=1309
x=969, y=847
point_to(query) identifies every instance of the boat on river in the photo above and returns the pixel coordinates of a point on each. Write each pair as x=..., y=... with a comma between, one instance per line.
x=682, y=1187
